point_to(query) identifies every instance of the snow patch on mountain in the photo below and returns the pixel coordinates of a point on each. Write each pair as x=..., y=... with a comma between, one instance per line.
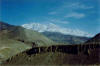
x=55, y=28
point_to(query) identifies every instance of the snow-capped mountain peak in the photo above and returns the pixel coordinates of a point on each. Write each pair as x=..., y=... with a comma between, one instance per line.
x=55, y=28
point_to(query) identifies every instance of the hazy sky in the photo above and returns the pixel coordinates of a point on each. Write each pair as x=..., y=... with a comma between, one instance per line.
x=73, y=14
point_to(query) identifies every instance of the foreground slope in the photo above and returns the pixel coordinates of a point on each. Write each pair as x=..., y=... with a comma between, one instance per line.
x=55, y=58
x=83, y=54
x=9, y=47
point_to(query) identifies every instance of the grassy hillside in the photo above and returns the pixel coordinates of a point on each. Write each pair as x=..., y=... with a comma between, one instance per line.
x=15, y=39
x=83, y=54
x=9, y=47
x=19, y=33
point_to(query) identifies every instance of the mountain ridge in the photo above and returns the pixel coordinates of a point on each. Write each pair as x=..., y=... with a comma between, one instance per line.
x=67, y=39
x=51, y=27
x=96, y=39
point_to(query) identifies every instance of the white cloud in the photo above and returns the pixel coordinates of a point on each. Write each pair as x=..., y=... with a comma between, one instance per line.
x=78, y=5
x=55, y=28
x=58, y=21
x=71, y=9
x=75, y=15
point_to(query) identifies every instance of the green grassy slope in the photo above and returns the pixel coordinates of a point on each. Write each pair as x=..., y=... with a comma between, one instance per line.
x=38, y=38
x=19, y=33
x=84, y=54
x=15, y=39
x=9, y=47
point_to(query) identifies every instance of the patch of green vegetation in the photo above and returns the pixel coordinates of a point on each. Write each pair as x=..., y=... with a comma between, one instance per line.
x=9, y=47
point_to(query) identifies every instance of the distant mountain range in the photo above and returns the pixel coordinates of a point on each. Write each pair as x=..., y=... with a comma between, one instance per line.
x=57, y=34
x=66, y=39
x=50, y=27
x=28, y=35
